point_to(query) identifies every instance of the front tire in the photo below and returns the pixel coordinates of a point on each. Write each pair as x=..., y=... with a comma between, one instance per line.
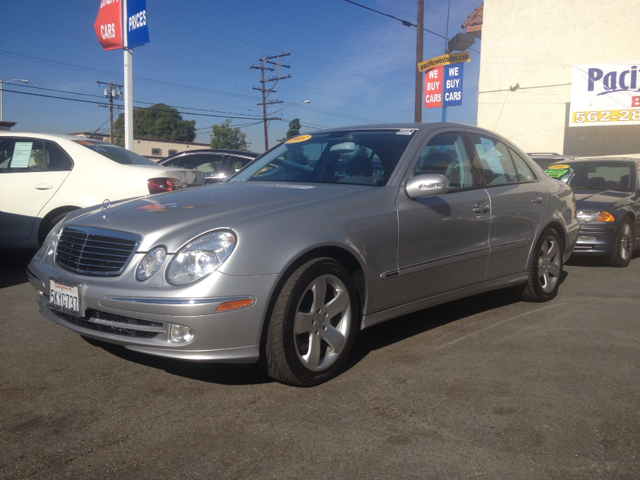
x=545, y=268
x=623, y=249
x=313, y=325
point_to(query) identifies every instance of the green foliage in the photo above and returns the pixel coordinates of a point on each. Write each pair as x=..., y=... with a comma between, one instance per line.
x=158, y=121
x=226, y=137
x=294, y=130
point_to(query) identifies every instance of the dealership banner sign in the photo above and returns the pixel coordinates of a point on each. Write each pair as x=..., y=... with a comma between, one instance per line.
x=121, y=24
x=443, y=86
x=605, y=94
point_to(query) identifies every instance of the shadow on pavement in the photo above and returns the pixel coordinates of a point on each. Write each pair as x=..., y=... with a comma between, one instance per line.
x=13, y=266
x=597, y=261
x=224, y=374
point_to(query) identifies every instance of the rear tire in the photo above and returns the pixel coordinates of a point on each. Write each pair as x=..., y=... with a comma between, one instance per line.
x=545, y=268
x=313, y=324
x=623, y=249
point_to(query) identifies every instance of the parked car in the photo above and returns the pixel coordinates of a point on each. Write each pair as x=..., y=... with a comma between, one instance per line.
x=44, y=177
x=608, y=201
x=286, y=261
x=546, y=159
x=216, y=164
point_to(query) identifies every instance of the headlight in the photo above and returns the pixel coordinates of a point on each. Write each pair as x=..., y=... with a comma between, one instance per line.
x=201, y=257
x=150, y=264
x=594, y=216
x=50, y=243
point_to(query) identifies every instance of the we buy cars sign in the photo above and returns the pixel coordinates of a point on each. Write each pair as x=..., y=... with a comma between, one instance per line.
x=108, y=25
x=443, y=86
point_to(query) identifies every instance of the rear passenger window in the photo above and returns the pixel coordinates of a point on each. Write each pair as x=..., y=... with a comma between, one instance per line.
x=56, y=159
x=523, y=170
x=495, y=160
x=22, y=155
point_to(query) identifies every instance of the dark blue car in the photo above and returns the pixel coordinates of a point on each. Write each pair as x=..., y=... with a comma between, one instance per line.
x=607, y=194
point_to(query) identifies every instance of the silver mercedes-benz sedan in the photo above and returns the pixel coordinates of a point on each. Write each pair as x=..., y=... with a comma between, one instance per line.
x=324, y=235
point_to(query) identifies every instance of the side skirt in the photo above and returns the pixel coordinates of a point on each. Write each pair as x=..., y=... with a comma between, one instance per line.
x=498, y=283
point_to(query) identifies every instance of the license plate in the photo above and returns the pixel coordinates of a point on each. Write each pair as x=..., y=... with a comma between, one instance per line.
x=65, y=296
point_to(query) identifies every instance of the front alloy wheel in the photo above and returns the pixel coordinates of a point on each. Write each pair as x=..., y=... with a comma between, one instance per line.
x=623, y=249
x=313, y=324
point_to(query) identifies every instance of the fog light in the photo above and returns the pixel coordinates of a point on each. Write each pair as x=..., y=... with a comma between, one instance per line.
x=587, y=239
x=181, y=334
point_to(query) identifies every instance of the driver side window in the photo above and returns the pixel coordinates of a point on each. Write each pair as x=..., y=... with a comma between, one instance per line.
x=446, y=155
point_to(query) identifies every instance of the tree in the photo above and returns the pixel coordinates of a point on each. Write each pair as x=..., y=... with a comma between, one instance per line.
x=158, y=121
x=226, y=137
x=294, y=129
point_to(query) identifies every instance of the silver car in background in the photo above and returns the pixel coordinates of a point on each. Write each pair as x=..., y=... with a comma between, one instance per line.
x=322, y=236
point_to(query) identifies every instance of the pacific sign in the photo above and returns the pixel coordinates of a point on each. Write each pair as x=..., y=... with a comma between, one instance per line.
x=109, y=29
x=443, y=86
x=605, y=94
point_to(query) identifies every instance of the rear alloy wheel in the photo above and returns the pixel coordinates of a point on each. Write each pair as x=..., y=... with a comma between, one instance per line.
x=545, y=268
x=623, y=249
x=313, y=324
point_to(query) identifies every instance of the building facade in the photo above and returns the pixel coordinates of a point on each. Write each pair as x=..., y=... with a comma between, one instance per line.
x=528, y=52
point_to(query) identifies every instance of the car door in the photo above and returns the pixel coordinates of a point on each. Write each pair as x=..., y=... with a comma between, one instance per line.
x=518, y=202
x=443, y=239
x=31, y=172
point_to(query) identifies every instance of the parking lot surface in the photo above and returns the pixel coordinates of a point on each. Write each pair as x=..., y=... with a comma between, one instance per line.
x=487, y=387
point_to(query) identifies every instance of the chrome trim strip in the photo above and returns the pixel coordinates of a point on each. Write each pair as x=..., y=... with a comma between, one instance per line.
x=180, y=301
x=422, y=265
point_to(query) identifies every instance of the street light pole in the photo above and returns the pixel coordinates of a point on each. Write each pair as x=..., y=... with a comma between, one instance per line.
x=4, y=83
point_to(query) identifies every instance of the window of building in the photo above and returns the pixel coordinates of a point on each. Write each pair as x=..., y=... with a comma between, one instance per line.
x=156, y=151
x=173, y=152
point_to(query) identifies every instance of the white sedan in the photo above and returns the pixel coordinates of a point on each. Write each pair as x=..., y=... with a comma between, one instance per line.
x=44, y=177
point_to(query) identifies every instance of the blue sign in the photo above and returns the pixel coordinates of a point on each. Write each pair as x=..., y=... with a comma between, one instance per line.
x=452, y=85
x=135, y=24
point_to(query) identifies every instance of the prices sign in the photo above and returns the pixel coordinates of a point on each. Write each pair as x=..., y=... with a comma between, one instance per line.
x=605, y=94
x=443, y=86
x=108, y=25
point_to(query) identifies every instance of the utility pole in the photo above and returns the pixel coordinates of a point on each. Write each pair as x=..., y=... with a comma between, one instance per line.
x=266, y=92
x=419, y=54
x=111, y=92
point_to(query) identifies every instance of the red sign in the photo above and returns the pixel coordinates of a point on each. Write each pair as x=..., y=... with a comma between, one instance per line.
x=433, y=87
x=108, y=24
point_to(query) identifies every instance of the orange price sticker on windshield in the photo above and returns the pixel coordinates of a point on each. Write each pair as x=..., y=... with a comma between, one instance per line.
x=557, y=167
x=300, y=138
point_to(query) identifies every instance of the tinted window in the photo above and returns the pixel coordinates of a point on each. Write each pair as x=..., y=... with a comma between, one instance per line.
x=236, y=164
x=524, y=172
x=56, y=158
x=364, y=157
x=495, y=160
x=594, y=175
x=115, y=153
x=446, y=154
x=211, y=164
x=22, y=155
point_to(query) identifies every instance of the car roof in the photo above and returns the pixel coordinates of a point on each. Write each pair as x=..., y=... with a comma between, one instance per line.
x=214, y=150
x=46, y=136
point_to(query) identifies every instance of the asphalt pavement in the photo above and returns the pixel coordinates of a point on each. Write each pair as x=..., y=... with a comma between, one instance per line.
x=483, y=388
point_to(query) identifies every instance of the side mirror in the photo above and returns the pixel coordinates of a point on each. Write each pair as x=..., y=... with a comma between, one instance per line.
x=427, y=185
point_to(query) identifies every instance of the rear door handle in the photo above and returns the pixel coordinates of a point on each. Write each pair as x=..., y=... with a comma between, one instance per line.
x=44, y=186
x=480, y=208
x=537, y=200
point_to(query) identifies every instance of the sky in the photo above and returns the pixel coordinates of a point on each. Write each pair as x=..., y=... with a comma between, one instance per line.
x=355, y=66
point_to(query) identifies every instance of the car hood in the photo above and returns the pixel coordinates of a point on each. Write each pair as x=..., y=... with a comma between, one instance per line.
x=171, y=219
x=600, y=199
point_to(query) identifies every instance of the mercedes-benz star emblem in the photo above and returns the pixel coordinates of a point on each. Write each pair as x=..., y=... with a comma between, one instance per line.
x=106, y=206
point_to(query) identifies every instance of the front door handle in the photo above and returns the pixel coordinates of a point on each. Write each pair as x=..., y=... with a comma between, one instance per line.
x=537, y=200
x=44, y=186
x=480, y=208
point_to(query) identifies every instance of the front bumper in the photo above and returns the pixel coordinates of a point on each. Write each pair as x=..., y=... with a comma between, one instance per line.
x=596, y=240
x=140, y=319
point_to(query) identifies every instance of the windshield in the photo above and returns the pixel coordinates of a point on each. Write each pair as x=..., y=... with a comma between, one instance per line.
x=115, y=153
x=594, y=175
x=361, y=157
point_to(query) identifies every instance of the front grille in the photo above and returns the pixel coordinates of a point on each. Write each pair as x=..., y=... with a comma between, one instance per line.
x=95, y=251
x=127, y=332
